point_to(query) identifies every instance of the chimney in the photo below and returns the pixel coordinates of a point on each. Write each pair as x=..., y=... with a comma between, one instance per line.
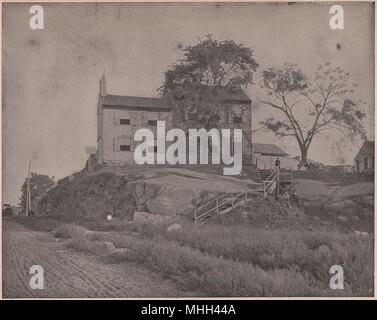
x=102, y=83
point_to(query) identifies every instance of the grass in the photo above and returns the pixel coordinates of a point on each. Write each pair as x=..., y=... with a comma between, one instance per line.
x=240, y=260
x=213, y=276
x=39, y=223
x=329, y=177
x=276, y=249
x=237, y=260
x=70, y=231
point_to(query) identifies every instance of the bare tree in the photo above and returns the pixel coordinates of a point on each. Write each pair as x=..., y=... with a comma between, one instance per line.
x=311, y=106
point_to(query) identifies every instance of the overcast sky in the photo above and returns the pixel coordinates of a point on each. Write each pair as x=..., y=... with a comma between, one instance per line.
x=51, y=76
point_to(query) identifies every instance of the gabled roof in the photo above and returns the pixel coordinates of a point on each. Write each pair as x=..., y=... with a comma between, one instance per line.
x=231, y=95
x=236, y=95
x=136, y=102
x=268, y=150
x=366, y=149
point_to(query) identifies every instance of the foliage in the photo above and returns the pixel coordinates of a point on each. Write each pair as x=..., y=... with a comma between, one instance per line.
x=39, y=185
x=311, y=106
x=209, y=70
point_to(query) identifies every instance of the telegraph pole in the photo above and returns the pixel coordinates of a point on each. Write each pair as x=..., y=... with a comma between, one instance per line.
x=28, y=197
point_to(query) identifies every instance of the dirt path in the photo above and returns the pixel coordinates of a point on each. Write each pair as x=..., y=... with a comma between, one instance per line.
x=71, y=274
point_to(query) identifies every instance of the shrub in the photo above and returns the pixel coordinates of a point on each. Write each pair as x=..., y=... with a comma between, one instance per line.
x=70, y=231
x=93, y=247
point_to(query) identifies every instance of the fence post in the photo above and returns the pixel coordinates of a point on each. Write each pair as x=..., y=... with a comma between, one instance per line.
x=217, y=206
x=264, y=189
x=277, y=181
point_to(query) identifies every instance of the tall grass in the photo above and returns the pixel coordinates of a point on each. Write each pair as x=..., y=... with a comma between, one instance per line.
x=310, y=253
x=213, y=276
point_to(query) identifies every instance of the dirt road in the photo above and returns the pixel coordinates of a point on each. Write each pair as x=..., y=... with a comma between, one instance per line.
x=71, y=274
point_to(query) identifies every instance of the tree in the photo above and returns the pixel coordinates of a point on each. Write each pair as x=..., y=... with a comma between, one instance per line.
x=39, y=184
x=199, y=81
x=311, y=106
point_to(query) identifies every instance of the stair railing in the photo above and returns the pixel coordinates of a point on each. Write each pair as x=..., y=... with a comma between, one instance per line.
x=270, y=183
x=215, y=205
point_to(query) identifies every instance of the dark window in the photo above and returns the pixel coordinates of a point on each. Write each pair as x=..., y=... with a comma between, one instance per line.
x=155, y=149
x=125, y=147
x=152, y=123
x=365, y=163
x=237, y=119
x=125, y=121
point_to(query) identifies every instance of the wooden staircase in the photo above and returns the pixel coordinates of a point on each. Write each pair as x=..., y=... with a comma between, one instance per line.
x=226, y=202
x=264, y=173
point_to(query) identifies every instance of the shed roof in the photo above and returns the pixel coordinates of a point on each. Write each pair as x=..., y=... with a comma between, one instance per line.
x=366, y=149
x=268, y=149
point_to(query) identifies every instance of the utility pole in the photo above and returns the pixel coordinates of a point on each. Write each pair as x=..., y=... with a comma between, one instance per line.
x=28, y=197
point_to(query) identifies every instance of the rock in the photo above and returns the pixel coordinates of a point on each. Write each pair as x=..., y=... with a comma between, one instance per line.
x=343, y=219
x=356, y=189
x=341, y=204
x=174, y=227
x=361, y=234
x=121, y=250
x=90, y=235
x=109, y=247
x=244, y=214
x=146, y=217
x=324, y=249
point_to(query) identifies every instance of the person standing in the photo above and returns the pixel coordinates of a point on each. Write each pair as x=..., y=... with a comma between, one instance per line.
x=277, y=163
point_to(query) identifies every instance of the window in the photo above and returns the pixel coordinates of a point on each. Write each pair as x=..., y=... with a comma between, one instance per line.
x=237, y=119
x=152, y=123
x=366, y=163
x=122, y=143
x=126, y=122
x=122, y=117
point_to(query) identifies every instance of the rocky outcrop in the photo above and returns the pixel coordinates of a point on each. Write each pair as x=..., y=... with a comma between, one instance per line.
x=160, y=193
x=90, y=197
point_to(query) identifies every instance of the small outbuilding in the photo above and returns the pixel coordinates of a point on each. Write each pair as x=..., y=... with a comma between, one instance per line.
x=364, y=160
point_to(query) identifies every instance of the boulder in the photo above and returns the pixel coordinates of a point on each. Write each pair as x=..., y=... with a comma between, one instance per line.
x=361, y=233
x=146, y=217
x=323, y=249
x=174, y=227
x=109, y=247
x=341, y=204
x=343, y=219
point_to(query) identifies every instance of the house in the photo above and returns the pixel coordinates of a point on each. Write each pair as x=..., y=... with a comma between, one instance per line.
x=364, y=160
x=264, y=156
x=119, y=117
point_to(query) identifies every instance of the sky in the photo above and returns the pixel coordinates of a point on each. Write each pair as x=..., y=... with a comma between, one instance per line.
x=51, y=76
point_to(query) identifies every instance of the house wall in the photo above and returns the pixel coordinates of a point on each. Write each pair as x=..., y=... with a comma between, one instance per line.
x=268, y=162
x=115, y=133
x=110, y=131
x=364, y=162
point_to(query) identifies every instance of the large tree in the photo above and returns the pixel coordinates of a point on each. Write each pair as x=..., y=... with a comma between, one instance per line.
x=209, y=70
x=39, y=185
x=309, y=106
